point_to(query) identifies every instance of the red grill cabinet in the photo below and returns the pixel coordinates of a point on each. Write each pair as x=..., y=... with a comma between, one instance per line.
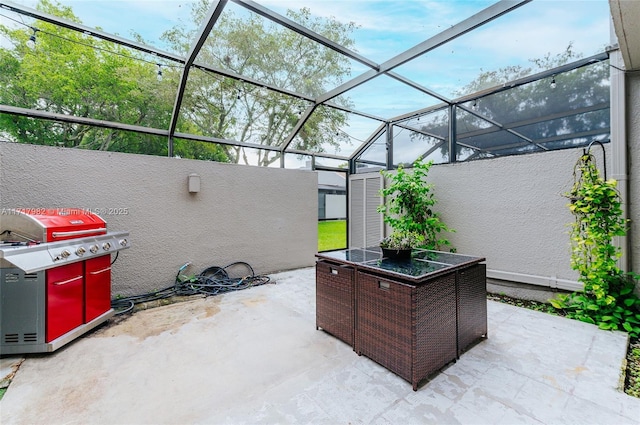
x=55, y=276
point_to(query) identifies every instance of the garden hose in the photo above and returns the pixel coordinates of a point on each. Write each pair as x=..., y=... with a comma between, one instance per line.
x=211, y=281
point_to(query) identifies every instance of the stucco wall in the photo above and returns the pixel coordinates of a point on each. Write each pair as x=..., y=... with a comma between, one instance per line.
x=512, y=211
x=266, y=217
x=633, y=140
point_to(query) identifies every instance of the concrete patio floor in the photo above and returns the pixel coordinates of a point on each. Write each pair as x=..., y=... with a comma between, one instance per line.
x=255, y=357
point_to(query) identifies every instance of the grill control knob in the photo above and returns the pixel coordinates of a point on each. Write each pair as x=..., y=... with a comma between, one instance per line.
x=80, y=251
x=106, y=246
x=124, y=242
x=94, y=249
x=65, y=253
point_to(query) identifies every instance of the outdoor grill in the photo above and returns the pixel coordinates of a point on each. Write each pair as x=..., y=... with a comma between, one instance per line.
x=55, y=276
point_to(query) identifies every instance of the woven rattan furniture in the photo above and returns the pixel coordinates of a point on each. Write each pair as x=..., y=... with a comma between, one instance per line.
x=411, y=316
x=472, y=305
x=334, y=300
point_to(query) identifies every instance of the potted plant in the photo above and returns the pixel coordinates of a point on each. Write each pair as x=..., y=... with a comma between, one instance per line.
x=400, y=243
x=408, y=210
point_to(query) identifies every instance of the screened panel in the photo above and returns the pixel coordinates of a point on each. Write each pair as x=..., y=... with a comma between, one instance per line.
x=334, y=131
x=70, y=73
x=435, y=123
x=410, y=145
x=331, y=162
x=577, y=141
x=205, y=151
x=537, y=36
x=253, y=79
x=131, y=19
x=296, y=161
x=222, y=107
x=586, y=87
x=569, y=125
x=494, y=143
x=252, y=46
x=377, y=151
x=550, y=113
x=383, y=31
x=384, y=96
x=81, y=136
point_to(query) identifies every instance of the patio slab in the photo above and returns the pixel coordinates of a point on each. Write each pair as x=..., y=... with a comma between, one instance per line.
x=255, y=357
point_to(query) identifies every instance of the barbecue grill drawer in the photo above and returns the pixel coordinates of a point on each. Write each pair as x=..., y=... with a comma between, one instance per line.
x=97, y=287
x=65, y=298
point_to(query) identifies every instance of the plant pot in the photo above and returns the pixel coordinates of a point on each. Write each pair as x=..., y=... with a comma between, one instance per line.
x=396, y=254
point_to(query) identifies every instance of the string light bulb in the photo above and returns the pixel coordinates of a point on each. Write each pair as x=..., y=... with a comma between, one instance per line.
x=474, y=106
x=31, y=43
x=553, y=82
x=159, y=74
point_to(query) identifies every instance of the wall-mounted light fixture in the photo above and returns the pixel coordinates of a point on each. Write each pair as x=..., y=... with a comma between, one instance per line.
x=194, y=183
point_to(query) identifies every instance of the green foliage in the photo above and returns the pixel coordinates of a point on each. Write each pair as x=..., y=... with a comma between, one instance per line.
x=632, y=381
x=409, y=205
x=332, y=235
x=74, y=74
x=402, y=239
x=608, y=299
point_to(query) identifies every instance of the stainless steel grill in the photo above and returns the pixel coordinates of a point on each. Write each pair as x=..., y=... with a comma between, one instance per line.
x=55, y=276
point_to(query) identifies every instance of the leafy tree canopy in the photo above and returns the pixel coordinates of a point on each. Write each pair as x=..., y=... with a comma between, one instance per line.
x=252, y=46
x=75, y=74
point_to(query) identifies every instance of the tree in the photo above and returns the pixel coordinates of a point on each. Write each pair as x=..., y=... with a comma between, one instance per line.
x=255, y=48
x=74, y=74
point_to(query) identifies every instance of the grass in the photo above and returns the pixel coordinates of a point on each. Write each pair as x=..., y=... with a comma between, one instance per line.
x=632, y=372
x=332, y=235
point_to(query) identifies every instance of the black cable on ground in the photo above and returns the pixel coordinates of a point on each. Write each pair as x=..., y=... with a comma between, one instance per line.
x=211, y=281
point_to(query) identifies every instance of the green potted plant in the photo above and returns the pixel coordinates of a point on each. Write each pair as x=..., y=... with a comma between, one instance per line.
x=408, y=210
x=400, y=243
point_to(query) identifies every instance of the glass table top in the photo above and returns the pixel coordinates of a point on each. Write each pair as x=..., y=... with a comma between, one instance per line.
x=410, y=267
x=421, y=263
x=354, y=255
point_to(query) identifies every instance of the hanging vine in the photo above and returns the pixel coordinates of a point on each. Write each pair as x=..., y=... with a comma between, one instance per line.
x=608, y=298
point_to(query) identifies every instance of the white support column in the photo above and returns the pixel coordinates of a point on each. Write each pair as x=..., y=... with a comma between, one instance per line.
x=618, y=113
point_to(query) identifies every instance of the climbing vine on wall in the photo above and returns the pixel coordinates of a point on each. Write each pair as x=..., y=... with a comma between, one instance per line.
x=608, y=299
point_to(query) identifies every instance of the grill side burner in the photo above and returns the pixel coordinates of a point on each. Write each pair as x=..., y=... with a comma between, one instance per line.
x=55, y=277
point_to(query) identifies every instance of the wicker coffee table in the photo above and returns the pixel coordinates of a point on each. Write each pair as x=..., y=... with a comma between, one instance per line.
x=411, y=316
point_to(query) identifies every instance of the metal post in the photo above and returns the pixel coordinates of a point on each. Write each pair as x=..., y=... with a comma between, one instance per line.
x=453, y=145
x=389, y=129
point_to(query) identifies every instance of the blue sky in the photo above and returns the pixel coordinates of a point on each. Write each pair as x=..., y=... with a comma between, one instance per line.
x=385, y=28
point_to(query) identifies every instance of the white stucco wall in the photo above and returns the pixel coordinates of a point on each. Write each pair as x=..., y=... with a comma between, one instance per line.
x=512, y=211
x=266, y=217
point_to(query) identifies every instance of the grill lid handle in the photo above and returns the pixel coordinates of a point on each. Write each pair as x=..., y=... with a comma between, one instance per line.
x=77, y=232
